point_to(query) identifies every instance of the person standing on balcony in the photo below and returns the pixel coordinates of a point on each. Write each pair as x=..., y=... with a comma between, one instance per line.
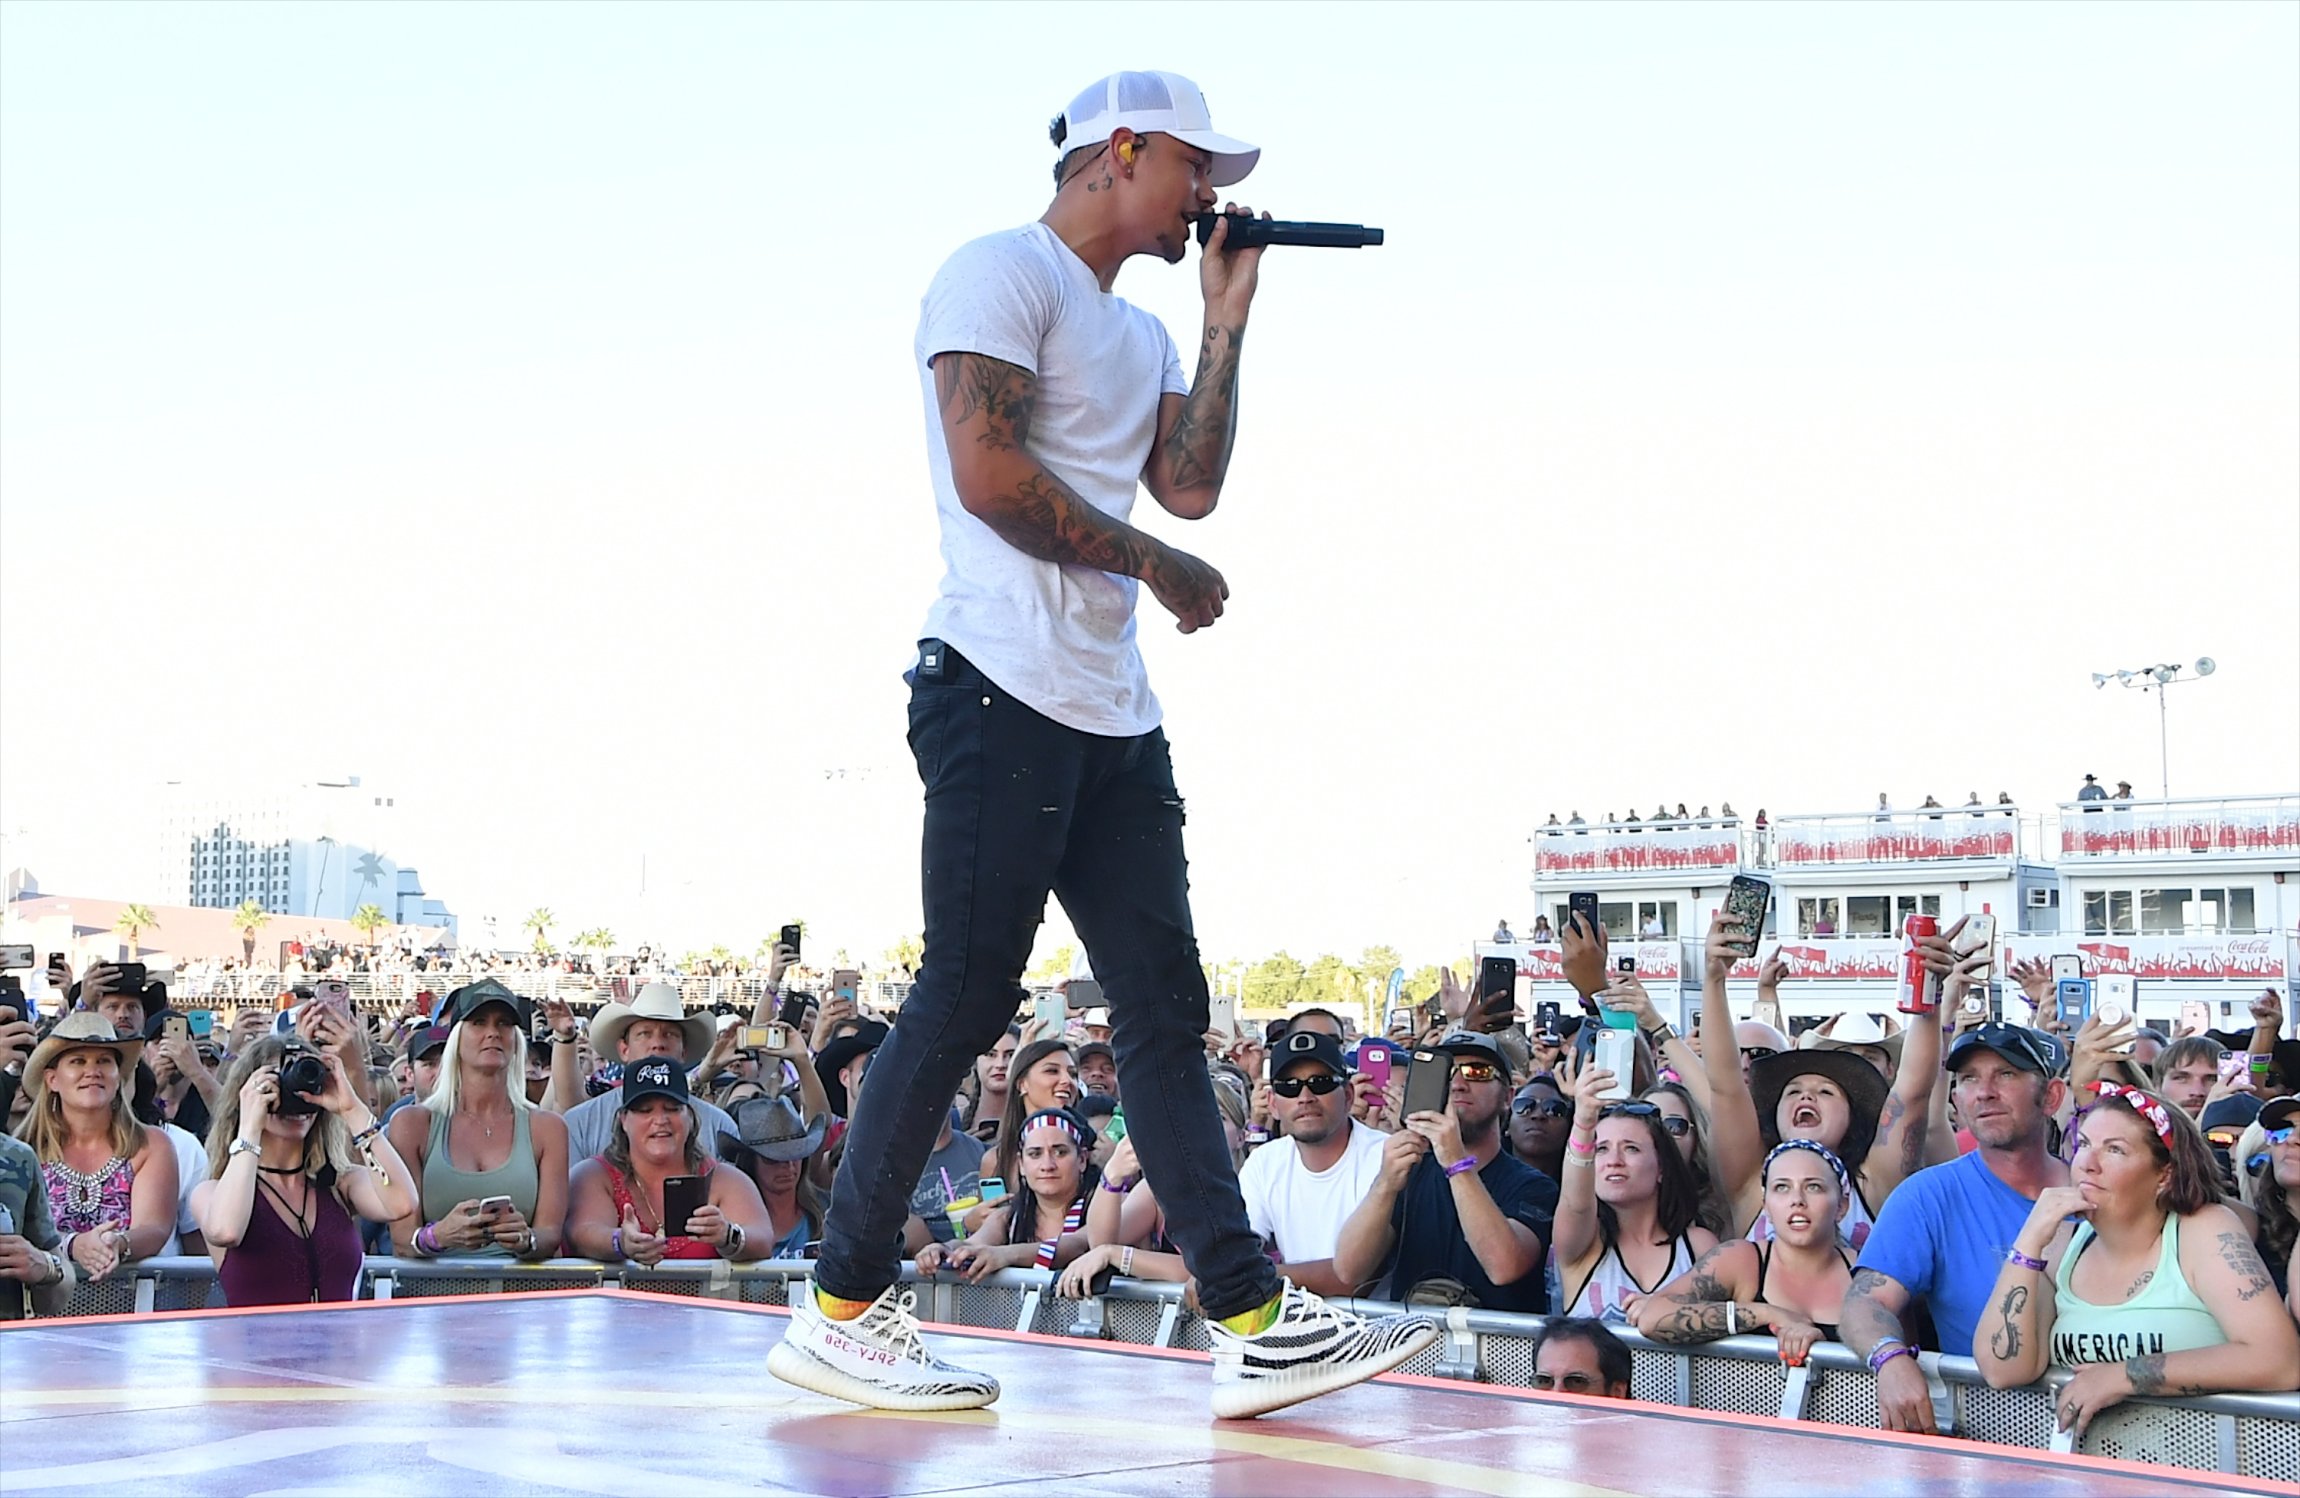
x=2091, y=794
x=2123, y=791
x=1884, y=807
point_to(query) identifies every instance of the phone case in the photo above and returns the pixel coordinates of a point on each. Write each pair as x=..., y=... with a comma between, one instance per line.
x=1617, y=1053
x=1428, y=1082
x=1746, y=900
x=683, y=1196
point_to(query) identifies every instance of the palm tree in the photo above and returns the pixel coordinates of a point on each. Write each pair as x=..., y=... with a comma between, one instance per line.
x=905, y=954
x=251, y=917
x=540, y=920
x=133, y=922
x=598, y=939
x=367, y=919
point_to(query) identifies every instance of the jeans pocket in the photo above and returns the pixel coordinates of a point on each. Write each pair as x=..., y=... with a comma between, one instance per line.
x=929, y=711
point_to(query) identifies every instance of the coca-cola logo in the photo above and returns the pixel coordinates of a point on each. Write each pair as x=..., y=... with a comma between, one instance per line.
x=2248, y=946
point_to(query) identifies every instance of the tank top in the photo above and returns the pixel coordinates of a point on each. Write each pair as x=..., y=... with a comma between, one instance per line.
x=678, y=1246
x=1859, y=1220
x=1610, y=1286
x=275, y=1264
x=2166, y=1316
x=80, y=1202
x=444, y=1184
x=1765, y=1267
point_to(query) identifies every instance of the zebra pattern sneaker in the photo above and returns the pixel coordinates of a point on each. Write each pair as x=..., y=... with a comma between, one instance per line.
x=878, y=1359
x=1311, y=1349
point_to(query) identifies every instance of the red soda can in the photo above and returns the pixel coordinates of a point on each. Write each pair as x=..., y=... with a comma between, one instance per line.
x=1920, y=990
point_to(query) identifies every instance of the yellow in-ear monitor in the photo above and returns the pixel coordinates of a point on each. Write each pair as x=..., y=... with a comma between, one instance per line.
x=1126, y=151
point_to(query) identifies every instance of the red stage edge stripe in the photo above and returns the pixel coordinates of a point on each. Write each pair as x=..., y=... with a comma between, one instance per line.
x=1958, y=1445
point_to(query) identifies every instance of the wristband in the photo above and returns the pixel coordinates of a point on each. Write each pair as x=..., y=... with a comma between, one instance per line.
x=426, y=1240
x=734, y=1244
x=1465, y=1164
x=1126, y=1263
x=527, y=1244
x=1732, y=1319
x=615, y=1243
x=1887, y=1350
x=2015, y=1256
x=360, y=1139
x=1117, y=1188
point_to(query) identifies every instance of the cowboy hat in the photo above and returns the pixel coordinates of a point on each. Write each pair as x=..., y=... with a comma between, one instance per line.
x=770, y=1128
x=1841, y=1031
x=653, y=1001
x=82, y=1027
x=868, y=1036
x=1770, y=1076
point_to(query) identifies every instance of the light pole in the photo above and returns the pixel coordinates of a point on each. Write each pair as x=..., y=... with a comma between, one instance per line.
x=2158, y=678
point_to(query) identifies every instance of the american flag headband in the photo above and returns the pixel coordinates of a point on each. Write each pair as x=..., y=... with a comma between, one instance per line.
x=1059, y=1119
x=2151, y=1110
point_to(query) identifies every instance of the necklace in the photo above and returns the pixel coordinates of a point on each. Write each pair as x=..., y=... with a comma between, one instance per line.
x=84, y=1193
x=281, y=1170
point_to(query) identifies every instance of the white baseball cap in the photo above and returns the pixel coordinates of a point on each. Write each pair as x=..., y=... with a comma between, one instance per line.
x=1152, y=104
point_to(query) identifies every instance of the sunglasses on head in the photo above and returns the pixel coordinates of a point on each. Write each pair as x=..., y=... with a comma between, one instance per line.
x=1536, y=1108
x=1757, y=1052
x=1319, y=1085
x=1677, y=1127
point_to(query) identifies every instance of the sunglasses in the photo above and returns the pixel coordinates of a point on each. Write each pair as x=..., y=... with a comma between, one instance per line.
x=1477, y=1071
x=1757, y=1052
x=2001, y=1037
x=1535, y=1108
x=1319, y=1085
x=2269, y=1141
x=1677, y=1127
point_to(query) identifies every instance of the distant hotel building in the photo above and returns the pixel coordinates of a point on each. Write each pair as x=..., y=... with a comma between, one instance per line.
x=296, y=850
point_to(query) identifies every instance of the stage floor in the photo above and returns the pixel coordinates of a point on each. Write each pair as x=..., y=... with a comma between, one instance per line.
x=606, y=1391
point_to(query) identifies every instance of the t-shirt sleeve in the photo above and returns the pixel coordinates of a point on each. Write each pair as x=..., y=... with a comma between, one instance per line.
x=1254, y=1186
x=996, y=296
x=1173, y=381
x=1533, y=1203
x=1901, y=1244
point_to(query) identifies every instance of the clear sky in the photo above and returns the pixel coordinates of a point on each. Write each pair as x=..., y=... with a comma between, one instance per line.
x=514, y=405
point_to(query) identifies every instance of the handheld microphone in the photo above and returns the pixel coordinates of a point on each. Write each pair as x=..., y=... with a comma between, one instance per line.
x=1246, y=233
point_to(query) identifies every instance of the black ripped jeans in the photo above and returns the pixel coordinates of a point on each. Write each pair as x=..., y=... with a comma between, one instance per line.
x=1018, y=806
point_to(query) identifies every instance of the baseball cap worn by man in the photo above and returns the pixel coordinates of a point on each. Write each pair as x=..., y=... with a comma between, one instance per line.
x=1297, y=1046
x=2030, y=1050
x=1151, y=104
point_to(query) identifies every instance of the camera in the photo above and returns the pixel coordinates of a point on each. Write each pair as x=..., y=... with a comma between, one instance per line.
x=301, y=1071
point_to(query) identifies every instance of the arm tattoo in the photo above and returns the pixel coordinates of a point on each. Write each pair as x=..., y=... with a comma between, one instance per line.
x=2252, y=1281
x=1042, y=516
x=1703, y=1321
x=2146, y=1373
x=1003, y=396
x=2005, y=1341
x=1198, y=448
x=1865, y=1320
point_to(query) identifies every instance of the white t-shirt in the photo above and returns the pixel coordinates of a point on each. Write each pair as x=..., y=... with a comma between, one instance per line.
x=191, y=1169
x=1303, y=1210
x=1060, y=639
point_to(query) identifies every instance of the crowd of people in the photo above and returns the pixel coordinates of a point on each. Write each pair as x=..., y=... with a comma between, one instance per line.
x=2114, y=1201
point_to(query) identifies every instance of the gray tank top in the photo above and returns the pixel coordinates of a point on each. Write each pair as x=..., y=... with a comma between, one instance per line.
x=444, y=1185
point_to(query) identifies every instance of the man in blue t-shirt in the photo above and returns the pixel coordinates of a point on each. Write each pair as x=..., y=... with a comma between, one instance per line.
x=1452, y=1214
x=1943, y=1234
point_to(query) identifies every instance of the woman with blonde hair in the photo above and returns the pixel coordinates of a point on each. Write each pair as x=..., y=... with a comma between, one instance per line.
x=487, y=1167
x=288, y=1166
x=112, y=1184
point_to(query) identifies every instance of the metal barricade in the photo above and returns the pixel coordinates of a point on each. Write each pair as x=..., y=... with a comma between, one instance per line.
x=2247, y=1435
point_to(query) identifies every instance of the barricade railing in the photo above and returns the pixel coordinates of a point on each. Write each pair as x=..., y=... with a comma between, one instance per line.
x=388, y=994
x=2246, y=1435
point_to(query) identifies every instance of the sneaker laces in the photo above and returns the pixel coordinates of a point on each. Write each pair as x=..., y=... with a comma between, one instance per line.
x=896, y=1323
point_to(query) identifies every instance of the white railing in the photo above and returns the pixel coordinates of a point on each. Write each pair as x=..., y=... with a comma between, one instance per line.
x=2195, y=827
x=389, y=993
x=2247, y=1435
x=1948, y=834
x=1640, y=848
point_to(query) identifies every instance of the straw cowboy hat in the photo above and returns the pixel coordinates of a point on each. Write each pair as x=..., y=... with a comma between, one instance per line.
x=82, y=1027
x=1843, y=1031
x=771, y=1129
x=653, y=1001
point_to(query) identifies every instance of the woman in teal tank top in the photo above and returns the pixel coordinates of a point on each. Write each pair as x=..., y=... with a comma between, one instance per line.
x=2156, y=1290
x=477, y=1140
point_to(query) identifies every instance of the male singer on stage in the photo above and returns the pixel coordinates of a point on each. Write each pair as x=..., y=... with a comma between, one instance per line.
x=1037, y=739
